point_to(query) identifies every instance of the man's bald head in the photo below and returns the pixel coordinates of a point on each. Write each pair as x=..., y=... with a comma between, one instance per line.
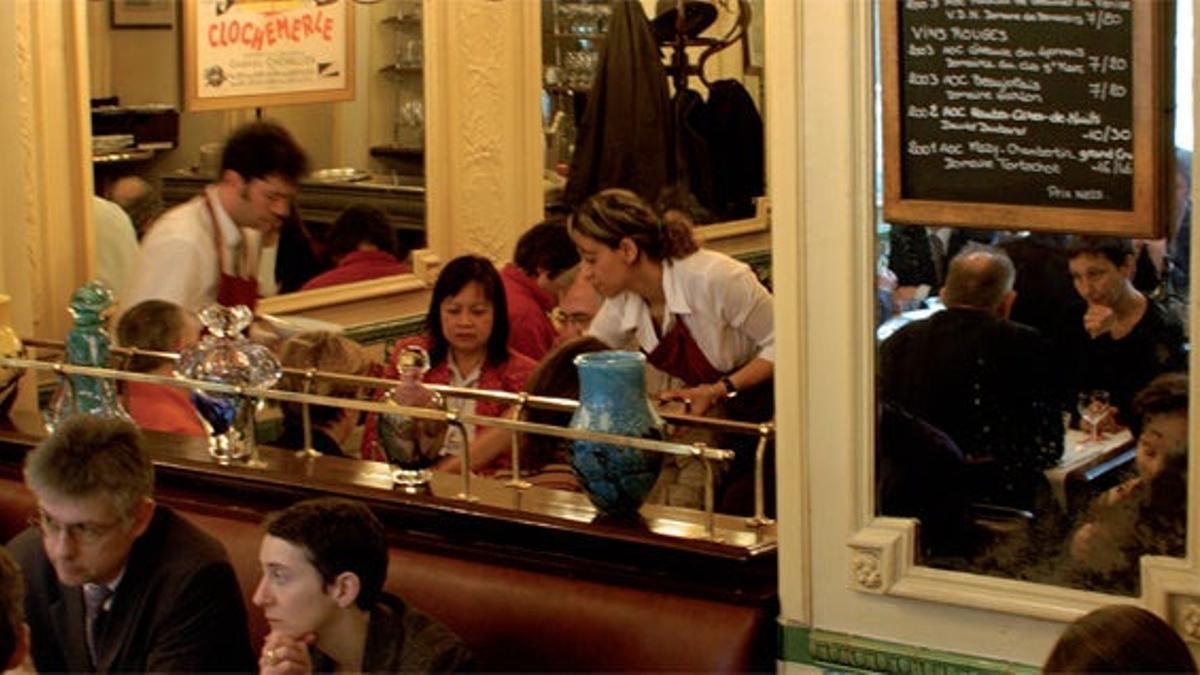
x=980, y=277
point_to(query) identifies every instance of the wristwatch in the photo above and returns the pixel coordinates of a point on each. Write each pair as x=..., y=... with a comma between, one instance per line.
x=731, y=389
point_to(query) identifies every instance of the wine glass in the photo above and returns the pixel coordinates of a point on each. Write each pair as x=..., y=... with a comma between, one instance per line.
x=1093, y=407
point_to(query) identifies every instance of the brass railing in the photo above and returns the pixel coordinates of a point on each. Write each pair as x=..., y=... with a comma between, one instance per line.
x=707, y=455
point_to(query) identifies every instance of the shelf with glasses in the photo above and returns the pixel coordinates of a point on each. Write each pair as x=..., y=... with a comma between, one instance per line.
x=396, y=69
x=402, y=21
x=566, y=88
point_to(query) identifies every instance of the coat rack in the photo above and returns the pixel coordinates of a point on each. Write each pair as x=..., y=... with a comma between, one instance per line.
x=681, y=67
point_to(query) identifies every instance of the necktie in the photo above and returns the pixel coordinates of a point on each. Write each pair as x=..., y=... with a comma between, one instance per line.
x=94, y=596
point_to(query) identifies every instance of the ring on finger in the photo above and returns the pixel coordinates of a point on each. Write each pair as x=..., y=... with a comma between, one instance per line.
x=272, y=659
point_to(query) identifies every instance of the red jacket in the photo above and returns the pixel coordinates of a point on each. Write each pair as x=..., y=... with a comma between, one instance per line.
x=359, y=266
x=530, y=330
x=159, y=407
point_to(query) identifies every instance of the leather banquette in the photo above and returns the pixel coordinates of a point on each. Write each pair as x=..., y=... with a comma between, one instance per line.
x=515, y=619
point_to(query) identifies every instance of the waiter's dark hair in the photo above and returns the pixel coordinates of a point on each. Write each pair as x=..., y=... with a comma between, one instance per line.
x=453, y=278
x=615, y=214
x=261, y=149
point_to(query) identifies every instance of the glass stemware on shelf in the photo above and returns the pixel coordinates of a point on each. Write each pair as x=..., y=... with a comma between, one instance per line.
x=1093, y=406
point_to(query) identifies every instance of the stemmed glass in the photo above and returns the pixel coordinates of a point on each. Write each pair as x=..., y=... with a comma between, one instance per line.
x=1093, y=407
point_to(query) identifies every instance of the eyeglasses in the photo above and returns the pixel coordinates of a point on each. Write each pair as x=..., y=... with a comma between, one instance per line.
x=83, y=533
x=564, y=317
x=581, y=318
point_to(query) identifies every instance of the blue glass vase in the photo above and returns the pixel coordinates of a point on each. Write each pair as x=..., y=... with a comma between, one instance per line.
x=87, y=344
x=612, y=399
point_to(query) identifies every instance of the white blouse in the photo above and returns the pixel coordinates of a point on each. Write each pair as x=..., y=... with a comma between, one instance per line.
x=725, y=308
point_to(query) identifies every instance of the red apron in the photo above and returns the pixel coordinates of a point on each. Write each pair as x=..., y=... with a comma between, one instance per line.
x=678, y=355
x=231, y=290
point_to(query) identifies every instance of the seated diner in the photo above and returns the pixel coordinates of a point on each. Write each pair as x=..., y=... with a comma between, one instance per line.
x=466, y=338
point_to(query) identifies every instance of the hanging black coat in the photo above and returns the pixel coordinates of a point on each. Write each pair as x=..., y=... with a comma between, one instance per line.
x=736, y=147
x=624, y=139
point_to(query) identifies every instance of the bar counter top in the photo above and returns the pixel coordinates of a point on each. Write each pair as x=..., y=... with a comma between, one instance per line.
x=536, y=528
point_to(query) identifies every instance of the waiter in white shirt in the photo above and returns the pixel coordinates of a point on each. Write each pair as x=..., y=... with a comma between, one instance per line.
x=206, y=250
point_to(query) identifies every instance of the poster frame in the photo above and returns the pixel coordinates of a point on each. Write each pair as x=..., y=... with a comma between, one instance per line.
x=195, y=101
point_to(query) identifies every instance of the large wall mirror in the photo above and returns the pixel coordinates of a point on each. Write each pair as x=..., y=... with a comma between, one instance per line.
x=366, y=151
x=374, y=148
x=396, y=62
x=1032, y=387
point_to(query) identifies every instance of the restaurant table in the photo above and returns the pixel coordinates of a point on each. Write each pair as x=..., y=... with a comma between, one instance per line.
x=1086, y=461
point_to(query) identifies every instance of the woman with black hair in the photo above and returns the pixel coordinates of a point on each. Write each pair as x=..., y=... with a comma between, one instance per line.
x=467, y=340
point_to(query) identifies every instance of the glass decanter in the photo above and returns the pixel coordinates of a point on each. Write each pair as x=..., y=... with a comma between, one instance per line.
x=225, y=356
x=411, y=444
x=87, y=344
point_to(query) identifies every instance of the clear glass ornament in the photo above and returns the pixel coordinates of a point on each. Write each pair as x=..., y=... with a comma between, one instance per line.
x=225, y=356
x=411, y=444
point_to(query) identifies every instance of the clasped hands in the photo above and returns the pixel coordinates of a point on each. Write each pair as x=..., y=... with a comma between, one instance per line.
x=286, y=655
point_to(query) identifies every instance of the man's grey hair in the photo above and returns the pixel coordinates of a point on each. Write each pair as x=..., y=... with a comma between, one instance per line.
x=90, y=455
x=979, y=277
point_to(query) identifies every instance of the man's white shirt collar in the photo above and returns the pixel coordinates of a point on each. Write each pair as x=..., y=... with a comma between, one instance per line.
x=230, y=232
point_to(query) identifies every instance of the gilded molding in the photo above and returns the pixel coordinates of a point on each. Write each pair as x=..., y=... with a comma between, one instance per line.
x=27, y=135
x=484, y=55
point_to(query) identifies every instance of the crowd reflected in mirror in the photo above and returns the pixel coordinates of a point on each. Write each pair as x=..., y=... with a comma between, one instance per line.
x=1032, y=398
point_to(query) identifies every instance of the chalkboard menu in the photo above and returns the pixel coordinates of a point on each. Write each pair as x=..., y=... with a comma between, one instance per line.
x=1027, y=114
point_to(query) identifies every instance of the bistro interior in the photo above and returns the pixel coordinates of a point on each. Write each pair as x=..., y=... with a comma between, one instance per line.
x=459, y=120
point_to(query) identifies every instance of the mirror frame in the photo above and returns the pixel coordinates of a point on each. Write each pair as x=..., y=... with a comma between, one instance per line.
x=881, y=552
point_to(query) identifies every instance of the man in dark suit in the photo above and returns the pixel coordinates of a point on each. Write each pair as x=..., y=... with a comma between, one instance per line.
x=14, y=634
x=114, y=582
x=980, y=378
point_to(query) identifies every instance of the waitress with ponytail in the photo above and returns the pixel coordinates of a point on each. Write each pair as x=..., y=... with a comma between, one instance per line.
x=699, y=316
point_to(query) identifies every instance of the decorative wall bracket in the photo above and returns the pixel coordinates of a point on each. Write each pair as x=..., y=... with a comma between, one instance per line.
x=877, y=554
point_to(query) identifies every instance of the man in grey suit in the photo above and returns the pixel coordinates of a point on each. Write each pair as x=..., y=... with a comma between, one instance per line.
x=113, y=581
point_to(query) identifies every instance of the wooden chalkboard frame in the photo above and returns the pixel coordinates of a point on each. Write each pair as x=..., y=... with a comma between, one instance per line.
x=1152, y=145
